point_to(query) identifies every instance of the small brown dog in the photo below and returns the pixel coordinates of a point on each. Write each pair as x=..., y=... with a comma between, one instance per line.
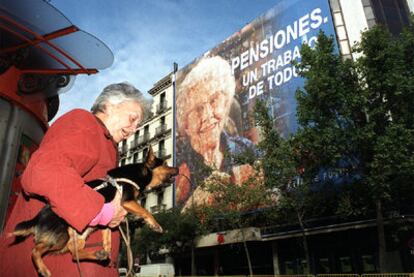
x=54, y=235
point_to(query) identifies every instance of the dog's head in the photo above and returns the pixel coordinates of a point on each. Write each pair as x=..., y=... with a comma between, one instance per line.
x=147, y=175
x=159, y=170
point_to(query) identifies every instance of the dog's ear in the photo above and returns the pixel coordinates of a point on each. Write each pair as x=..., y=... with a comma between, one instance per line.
x=150, y=159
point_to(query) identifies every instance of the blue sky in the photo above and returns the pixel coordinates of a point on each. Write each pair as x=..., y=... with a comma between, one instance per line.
x=147, y=36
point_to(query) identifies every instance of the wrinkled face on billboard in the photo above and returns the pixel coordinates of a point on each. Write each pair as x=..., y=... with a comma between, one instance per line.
x=205, y=120
x=217, y=93
x=203, y=106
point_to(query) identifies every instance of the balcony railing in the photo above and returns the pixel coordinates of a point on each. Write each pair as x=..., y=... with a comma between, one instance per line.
x=123, y=150
x=142, y=139
x=160, y=130
x=161, y=153
x=158, y=208
x=162, y=106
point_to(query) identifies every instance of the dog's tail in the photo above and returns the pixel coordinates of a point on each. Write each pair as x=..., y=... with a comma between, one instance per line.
x=25, y=228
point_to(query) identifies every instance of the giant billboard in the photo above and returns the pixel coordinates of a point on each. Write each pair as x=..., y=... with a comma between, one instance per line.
x=216, y=93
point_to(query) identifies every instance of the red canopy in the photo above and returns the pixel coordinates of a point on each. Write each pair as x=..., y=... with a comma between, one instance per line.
x=40, y=53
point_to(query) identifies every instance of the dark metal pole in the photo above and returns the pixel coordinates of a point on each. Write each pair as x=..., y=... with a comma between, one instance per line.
x=174, y=132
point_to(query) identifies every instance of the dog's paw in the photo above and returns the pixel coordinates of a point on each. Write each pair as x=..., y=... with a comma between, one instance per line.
x=44, y=272
x=101, y=255
x=156, y=227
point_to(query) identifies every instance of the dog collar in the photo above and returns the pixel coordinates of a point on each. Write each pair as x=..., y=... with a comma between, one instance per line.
x=114, y=182
x=129, y=182
x=108, y=180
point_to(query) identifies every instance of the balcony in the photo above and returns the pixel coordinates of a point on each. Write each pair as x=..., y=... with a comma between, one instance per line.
x=161, y=130
x=161, y=107
x=141, y=140
x=161, y=153
x=158, y=208
x=123, y=151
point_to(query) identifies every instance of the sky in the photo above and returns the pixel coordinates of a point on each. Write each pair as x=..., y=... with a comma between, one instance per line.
x=148, y=36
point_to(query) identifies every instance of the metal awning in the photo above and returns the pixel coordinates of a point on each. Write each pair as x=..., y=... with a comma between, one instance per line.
x=39, y=39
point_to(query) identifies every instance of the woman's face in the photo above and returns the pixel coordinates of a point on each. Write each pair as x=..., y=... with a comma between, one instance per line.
x=206, y=118
x=122, y=119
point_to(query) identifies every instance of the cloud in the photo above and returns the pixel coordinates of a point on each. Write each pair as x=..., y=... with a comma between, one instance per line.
x=146, y=37
x=144, y=53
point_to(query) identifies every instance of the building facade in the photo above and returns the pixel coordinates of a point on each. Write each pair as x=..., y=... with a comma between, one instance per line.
x=337, y=247
x=155, y=132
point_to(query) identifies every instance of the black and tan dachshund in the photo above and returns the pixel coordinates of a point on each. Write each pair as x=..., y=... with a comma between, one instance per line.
x=54, y=235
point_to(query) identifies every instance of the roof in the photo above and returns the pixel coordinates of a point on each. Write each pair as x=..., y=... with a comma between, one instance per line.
x=38, y=38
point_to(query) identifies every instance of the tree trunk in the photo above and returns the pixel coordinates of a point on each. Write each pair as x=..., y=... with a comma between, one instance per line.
x=193, y=266
x=249, y=263
x=381, y=238
x=305, y=242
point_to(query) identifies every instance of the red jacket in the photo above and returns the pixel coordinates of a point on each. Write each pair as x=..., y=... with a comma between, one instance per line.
x=77, y=148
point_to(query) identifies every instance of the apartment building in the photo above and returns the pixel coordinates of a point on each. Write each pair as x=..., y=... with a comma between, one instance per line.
x=348, y=247
x=155, y=132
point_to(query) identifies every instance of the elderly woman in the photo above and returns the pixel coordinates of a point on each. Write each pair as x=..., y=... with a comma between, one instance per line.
x=79, y=147
x=206, y=132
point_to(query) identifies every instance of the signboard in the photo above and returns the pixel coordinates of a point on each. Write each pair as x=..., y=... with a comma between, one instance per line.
x=216, y=93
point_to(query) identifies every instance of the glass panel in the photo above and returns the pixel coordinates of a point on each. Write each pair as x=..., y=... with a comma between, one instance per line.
x=42, y=18
x=338, y=19
x=289, y=268
x=368, y=263
x=335, y=5
x=345, y=264
x=86, y=49
x=324, y=265
x=392, y=13
x=366, y=2
x=38, y=16
x=303, y=267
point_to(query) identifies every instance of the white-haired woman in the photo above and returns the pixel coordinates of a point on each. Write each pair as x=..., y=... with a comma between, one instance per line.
x=80, y=146
x=204, y=100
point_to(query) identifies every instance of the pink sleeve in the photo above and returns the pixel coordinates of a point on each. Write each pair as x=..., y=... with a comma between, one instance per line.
x=104, y=216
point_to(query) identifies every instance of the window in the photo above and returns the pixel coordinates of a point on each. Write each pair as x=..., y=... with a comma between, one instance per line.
x=136, y=137
x=143, y=202
x=392, y=13
x=345, y=264
x=135, y=157
x=146, y=132
x=124, y=146
x=368, y=263
x=161, y=149
x=160, y=198
x=162, y=99
x=323, y=265
x=144, y=153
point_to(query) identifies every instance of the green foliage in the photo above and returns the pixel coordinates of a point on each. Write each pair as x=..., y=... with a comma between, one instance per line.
x=355, y=119
x=359, y=110
x=278, y=164
x=232, y=205
x=180, y=229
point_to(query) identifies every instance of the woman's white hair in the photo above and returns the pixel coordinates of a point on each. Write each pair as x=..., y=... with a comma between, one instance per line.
x=210, y=73
x=119, y=93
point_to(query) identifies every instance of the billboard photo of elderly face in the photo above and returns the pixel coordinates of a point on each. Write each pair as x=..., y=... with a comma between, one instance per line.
x=205, y=99
x=216, y=93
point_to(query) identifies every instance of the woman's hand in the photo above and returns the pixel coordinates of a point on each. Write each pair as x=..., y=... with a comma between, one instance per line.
x=119, y=211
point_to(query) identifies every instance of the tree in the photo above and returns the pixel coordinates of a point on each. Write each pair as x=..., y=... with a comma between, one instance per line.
x=284, y=176
x=180, y=231
x=235, y=205
x=356, y=118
